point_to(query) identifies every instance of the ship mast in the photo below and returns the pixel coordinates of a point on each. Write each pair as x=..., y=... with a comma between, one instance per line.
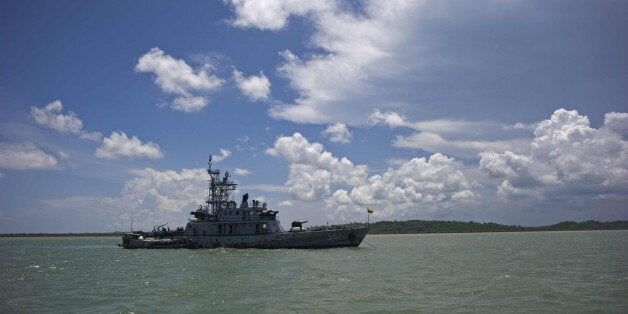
x=219, y=189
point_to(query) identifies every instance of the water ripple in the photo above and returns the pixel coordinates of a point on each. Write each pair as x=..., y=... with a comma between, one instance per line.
x=514, y=272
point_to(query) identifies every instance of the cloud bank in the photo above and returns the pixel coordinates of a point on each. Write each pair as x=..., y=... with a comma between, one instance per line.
x=313, y=169
x=419, y=186
x=567, y=158
x=568, y=165
x=316, y=175
x=152, y=197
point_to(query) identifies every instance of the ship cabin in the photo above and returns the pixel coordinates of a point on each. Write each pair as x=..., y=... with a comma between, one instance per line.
x=228, y=219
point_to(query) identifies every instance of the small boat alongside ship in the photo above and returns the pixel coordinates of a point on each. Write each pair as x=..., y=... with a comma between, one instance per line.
x=221, y=222
x=160, y=238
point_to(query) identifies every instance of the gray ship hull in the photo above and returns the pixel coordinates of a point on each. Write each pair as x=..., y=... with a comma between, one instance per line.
x=315, y=239
x=350, y=237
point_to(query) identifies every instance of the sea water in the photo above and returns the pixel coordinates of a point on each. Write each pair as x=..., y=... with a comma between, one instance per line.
x=482, y=272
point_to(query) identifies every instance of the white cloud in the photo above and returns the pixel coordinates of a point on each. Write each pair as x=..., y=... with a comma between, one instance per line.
x=285, y=203
x=312, y=169
x=520, y=126
x=338, y=133
x=224, y=154
x=566, y=157
x=523, y=175
x=169, y=191
x=118, y=144
x=354, y=51
x=439, y=126
x=241, y=171
x=94, y=136
x=175, y=76
x=151, y=197
x=390, y=118
x=432, y=142
x=396, y=162
x=271, y=14
x=430, y=135
x=51, y=116
x=253, y=87
x=307, y=183
x=616, y=123
x=21, y=156
x=419, y=185
x=189, y=104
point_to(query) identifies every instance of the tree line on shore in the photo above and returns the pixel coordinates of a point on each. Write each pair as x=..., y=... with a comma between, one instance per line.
x=439, y=226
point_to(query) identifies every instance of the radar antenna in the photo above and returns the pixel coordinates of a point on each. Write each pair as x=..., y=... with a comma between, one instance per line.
x=219, y=190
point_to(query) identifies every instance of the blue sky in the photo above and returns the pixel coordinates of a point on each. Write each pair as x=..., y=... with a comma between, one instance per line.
x=505, y=111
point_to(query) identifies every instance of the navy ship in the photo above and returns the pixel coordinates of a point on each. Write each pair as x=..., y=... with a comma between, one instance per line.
x=221, y=222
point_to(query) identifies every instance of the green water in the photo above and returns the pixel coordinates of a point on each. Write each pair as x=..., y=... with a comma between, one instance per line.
x=490, y=272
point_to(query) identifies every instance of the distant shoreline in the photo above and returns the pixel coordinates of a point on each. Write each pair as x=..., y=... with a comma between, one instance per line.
x=408, y=227
x=485, y=232
x=438, y=226
x=60, y=235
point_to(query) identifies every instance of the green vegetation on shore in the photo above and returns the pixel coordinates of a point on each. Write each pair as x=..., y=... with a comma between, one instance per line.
x=412, y=226
x=435, y=226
